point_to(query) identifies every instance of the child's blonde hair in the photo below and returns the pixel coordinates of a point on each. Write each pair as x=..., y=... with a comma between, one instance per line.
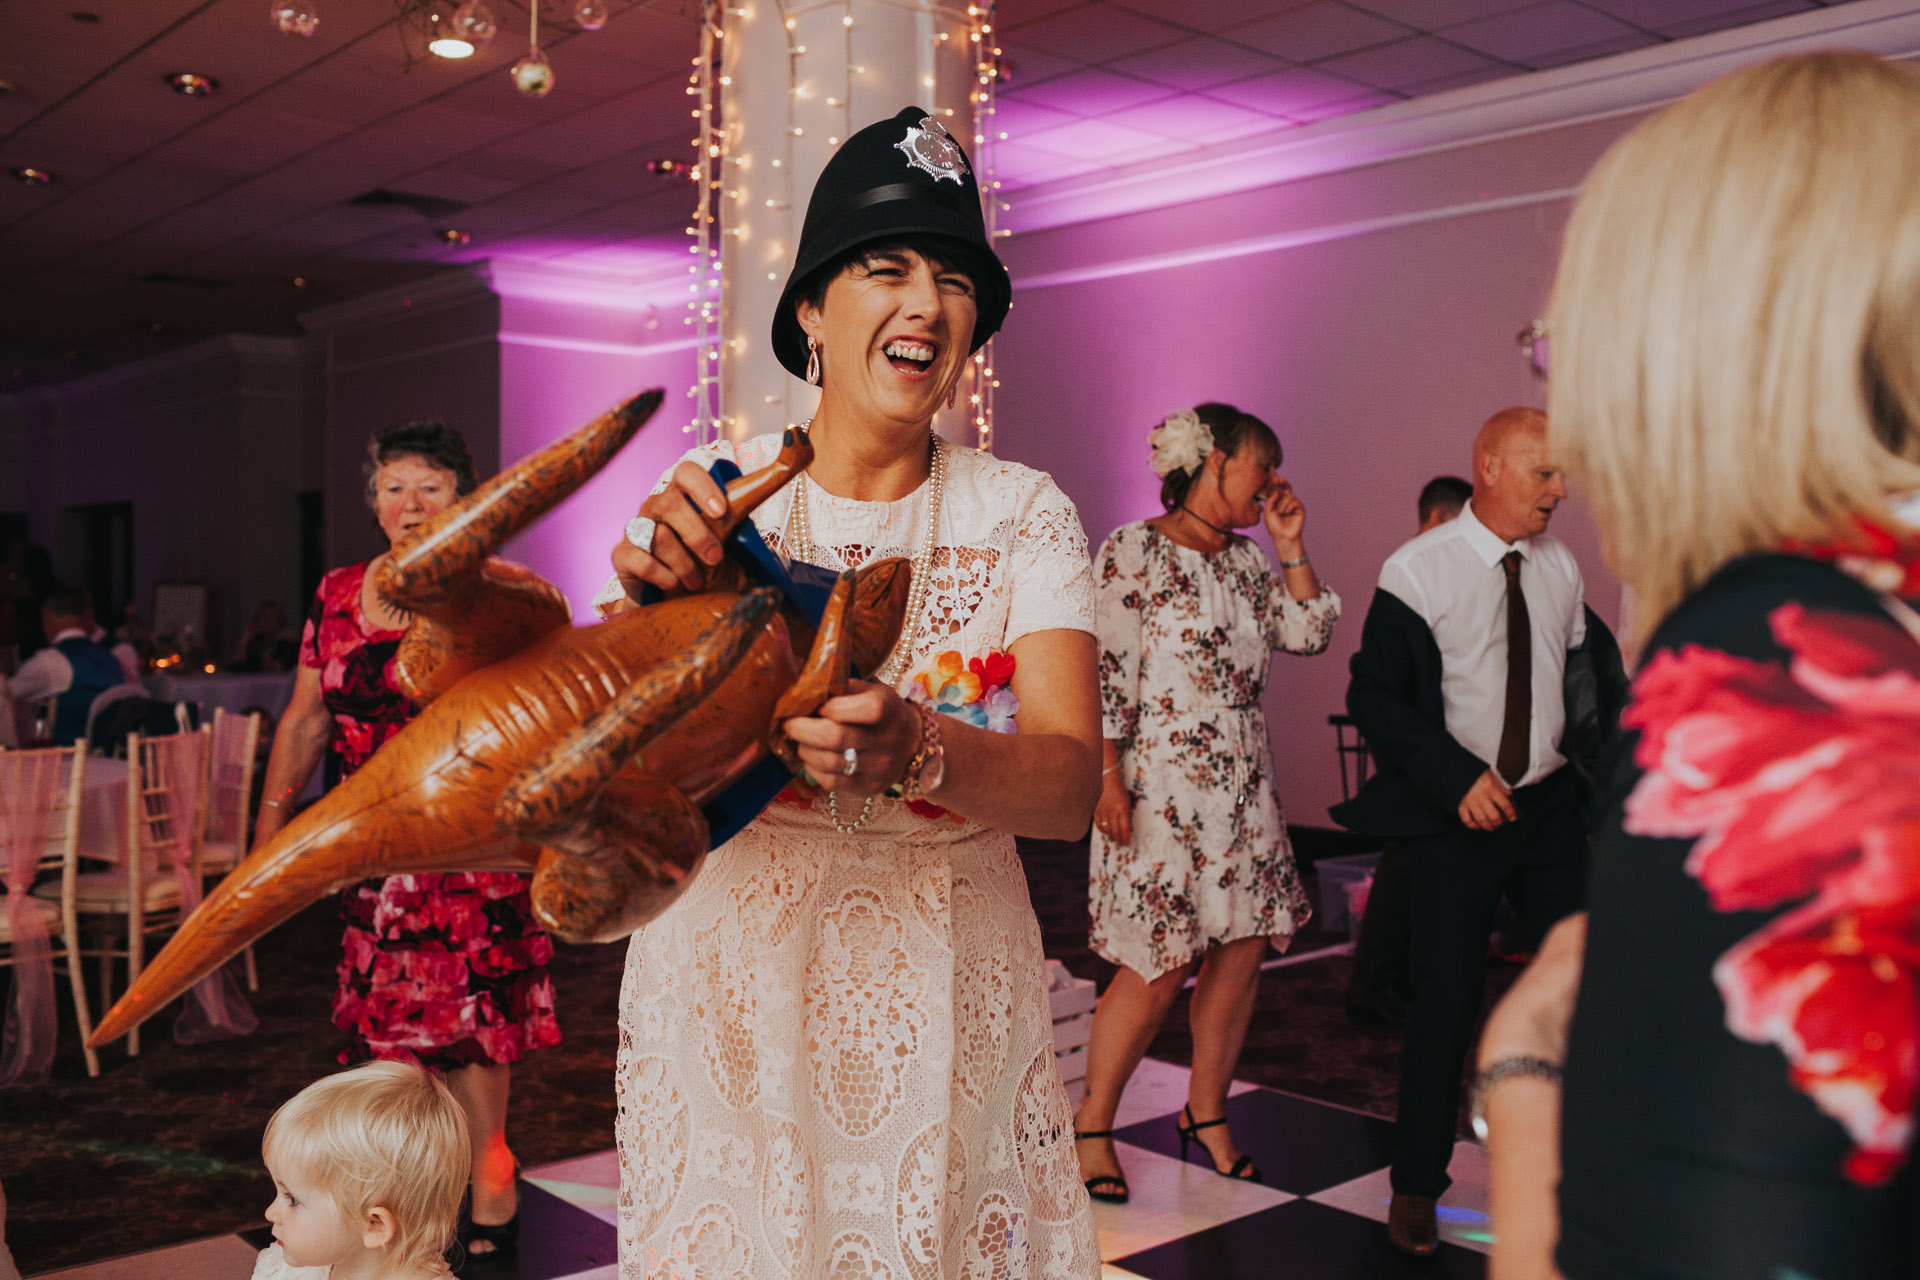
x=385, y=1134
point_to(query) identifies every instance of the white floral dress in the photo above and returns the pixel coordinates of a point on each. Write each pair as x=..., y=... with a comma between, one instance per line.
x=836, y=1056
x=1186, y=638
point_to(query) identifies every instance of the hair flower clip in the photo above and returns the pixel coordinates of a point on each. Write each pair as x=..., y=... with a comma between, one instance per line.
x=1181, y=443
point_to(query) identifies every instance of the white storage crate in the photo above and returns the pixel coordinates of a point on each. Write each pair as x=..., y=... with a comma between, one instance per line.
x=1072, y=1000
x=1336, y=876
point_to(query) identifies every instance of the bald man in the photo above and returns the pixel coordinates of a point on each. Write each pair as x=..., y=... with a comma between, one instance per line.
x=1466, y=729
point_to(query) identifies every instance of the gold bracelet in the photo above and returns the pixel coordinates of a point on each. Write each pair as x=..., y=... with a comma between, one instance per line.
x=905, y=789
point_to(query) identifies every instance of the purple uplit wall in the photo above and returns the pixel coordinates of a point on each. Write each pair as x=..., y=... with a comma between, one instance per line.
x=549, y=390
x=1375, y=349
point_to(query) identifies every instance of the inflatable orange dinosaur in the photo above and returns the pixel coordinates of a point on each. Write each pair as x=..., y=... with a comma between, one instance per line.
x=582, y=754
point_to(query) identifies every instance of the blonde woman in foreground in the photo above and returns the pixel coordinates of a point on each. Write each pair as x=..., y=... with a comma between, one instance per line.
x=1737, y=388
x=368, y=1169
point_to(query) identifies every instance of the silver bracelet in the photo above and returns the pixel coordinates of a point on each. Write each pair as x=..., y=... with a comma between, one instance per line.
x=1506, y=1069
x=1301, y=563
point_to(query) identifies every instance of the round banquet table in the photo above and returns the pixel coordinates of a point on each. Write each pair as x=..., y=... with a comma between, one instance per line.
x=234, y=690
x=103, y=810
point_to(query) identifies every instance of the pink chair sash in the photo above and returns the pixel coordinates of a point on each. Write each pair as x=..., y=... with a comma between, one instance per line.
x=30, y=783
x=214, y=1009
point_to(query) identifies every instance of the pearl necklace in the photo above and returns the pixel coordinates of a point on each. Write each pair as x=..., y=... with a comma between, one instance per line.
x=801, y=548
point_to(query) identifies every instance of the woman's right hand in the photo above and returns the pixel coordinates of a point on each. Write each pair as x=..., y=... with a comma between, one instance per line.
x=1113, y=816
x=685, y=545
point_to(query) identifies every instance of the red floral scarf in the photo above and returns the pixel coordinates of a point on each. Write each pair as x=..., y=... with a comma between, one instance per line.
x=1802, y=784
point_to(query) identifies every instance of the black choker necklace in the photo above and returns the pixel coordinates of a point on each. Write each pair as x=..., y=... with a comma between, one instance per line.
x=1185, y=509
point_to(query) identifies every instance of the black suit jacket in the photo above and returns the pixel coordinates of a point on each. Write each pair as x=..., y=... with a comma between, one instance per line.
x=1421, y=771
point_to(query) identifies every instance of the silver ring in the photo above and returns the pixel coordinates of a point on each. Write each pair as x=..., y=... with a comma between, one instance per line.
x=852, y=757
x=640, y=533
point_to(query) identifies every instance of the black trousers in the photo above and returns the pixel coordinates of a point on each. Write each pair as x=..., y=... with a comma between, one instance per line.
x=1540, y=862
x=1381, y=971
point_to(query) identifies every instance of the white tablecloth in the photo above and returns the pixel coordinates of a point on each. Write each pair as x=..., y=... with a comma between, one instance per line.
x=103, y=810
x=236, y=691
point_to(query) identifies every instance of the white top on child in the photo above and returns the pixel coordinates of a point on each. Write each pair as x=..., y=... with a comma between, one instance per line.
x=273, y=1265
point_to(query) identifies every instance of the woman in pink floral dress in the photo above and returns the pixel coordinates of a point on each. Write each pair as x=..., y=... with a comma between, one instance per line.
x=448, y=970
x=1190, y=857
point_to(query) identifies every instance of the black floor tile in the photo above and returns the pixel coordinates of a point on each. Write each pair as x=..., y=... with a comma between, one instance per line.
x=1299, y=1146
x=1300, y=1238
x=556, y=1239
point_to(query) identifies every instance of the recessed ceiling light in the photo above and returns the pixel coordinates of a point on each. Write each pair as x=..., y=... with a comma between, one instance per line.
x=192, y=84
x=33, y=177
x=450, y=47
x=669, y=168
x=299, y=282
x=449, y=236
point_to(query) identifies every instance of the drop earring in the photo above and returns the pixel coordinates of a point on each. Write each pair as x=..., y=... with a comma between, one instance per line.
x=813, y=363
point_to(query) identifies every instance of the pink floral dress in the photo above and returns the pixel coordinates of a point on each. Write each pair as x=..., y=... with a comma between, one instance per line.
x=448, y=969
x=1186, y=638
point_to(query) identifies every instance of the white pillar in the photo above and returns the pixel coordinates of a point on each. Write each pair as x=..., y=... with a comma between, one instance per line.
x=796, y=80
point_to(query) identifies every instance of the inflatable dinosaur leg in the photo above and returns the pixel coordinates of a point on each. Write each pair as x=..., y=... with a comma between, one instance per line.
x=825, y=674
x=470, y=610
x=620, y=862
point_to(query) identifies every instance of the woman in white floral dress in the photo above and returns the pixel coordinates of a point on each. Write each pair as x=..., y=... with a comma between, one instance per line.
x=1190, y=857
x=836, y=1056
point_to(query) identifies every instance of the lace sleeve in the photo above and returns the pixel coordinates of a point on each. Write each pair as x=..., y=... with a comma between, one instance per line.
x=1122, y=595
x=1049, y=577
x=705, y=456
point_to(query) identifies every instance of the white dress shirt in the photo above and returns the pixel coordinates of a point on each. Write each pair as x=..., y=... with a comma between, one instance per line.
x=1451, y=577
x=47, y=673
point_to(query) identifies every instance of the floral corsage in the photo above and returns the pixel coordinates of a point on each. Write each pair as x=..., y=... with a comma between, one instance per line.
x=976, y=690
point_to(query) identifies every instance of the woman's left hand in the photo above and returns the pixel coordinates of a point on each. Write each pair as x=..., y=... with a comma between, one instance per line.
x=1285, y=517
x=869, y=719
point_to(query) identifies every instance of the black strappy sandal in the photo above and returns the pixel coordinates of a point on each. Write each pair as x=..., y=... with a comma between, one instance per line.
x=1120, y=1193
x=503, y=1236
x=1243, y=1169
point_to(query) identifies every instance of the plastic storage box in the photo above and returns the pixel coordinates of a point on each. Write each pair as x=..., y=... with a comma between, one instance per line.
x=1337, y=877
x=1072, y=1000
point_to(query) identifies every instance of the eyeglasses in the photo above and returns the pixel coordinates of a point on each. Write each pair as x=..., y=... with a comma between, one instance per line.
x=1534, y=341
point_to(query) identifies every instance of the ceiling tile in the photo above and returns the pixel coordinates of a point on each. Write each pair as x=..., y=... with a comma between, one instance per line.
x=1291, y=93
x=1198, y=63
x=1431, y=15
x=1020, y=118
x=1405, y=62
x=1317, y=31
x=1019, y=166
x=1601, y=49
x=1528, y=35
x=248, y=140
x=1097, y=33
x=1328, y=110
x=1100, y=140
x=1657, y=15
x=1191, y=118
x=1210, y=15
x=1014, y=14
x=1022, y=66
x=1492, y=71
x=1739, y=17
x=1090, y=93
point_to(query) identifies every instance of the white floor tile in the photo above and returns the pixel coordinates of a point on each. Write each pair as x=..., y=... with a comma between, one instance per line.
x=599, y=1169
x=216, y=1258
x=1463, y=1210
x=1169, y=1199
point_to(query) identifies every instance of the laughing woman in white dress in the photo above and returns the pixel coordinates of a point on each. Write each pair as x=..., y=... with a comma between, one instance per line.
x=836, y=1056
x=1190, y=859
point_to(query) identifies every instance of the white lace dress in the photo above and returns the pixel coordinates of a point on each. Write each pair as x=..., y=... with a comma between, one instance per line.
x=836, y=1058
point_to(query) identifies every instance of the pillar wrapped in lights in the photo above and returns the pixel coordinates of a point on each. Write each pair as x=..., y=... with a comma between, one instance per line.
x=795, y=79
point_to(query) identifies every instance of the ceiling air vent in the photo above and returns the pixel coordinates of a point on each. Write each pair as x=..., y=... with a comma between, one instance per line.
x=425, y=206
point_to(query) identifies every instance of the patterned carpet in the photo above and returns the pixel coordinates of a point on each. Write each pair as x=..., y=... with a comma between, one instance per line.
x=165, y=1147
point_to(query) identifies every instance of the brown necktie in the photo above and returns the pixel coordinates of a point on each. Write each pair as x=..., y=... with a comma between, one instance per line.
x=1516, y=729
